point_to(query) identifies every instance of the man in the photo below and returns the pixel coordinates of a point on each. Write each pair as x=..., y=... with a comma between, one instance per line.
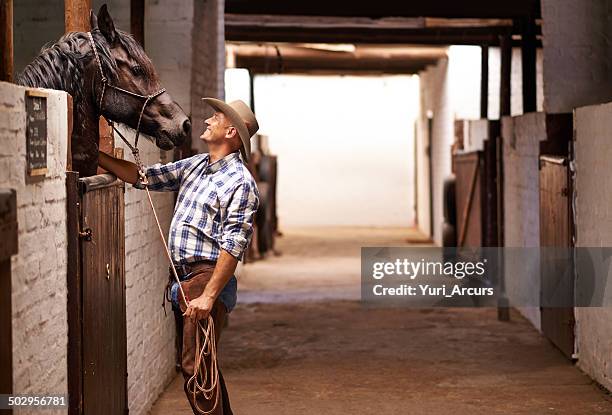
x=211, y=226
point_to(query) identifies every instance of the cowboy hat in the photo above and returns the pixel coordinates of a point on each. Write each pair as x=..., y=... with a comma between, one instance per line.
x=241, y=117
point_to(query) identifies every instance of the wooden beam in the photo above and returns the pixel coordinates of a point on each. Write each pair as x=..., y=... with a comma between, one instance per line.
x=484, y=82
x=137, y=25
x=76, y=15
x=313, y=59
x=483, y=9
x=505, y=77
x=6, y=40
x=374, y=35
x=528, y=64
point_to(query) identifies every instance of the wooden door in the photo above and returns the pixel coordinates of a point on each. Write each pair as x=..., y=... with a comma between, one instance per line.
x=97, y=338
x=469, y=198
x=556, y=231
x=8, y=234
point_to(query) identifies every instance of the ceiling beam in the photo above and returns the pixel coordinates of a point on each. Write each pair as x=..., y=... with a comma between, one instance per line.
x=430, y=36
x=292, y=59
x=482, y=9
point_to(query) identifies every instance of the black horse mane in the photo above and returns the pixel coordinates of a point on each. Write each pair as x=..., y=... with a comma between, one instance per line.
x=60, y=65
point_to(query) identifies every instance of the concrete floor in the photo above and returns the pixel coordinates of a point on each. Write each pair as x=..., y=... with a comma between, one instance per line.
x=300, y=342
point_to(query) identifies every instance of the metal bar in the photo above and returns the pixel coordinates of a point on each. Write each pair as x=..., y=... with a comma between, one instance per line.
x=506, y=72
x=137, y=25
x=87, y=184
x=73, y=283
x=528, y=64
x=484, y=82
x=6, y=40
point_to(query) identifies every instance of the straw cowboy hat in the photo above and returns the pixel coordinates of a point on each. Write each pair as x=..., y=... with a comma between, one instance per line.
x=241, y=117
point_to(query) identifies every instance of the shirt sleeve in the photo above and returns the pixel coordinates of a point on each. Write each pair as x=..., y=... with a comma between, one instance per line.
x=238, y=224
x=164, y=177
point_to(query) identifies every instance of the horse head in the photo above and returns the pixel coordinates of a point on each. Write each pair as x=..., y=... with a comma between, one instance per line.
x=131, y=78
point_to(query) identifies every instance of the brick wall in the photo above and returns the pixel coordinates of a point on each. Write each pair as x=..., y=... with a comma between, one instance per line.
x=208, y=63
x=150, y=335
x=577, y=62
x=521, y=137
x=39, y=293
x=594, y=228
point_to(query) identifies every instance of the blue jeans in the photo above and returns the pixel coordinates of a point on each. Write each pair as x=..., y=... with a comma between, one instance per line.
x=228, y=295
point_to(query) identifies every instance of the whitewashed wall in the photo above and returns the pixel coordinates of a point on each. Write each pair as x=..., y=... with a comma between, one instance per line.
x=577, y=53
x=344, y=146
x=593, y=126
x=521, y=141
x=150, y=335
x=39, y=291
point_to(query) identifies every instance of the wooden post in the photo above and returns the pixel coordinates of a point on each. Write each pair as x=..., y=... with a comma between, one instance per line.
x=484, y=82
x=76, y=15
x=505, y=43
x=528, y=54
x=76, y=19
x=252, y=90
x=137, y=11
x=6, y=40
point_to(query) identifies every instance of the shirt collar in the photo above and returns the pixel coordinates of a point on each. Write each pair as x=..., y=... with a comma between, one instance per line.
x=219, y=164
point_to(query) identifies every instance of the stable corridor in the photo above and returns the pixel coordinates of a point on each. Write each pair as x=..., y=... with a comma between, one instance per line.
x=300, y=342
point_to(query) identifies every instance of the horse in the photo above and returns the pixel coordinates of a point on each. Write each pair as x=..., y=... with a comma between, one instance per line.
x=116, y=80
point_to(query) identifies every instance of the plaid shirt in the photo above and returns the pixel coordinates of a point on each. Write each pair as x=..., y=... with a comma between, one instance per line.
x=215, y=208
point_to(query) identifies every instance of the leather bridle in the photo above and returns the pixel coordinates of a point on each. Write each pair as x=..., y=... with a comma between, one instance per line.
x=147, y=99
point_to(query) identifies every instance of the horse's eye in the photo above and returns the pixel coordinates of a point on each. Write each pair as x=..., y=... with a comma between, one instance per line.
x=137, y=70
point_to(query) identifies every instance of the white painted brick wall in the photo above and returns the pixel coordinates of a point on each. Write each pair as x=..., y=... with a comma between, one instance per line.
x=521, y=138
x=39, y=292
x=594, y=228
x=150, y=335
x=577, y=62
x=208, y=75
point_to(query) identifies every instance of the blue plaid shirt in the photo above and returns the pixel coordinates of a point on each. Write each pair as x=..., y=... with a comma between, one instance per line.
x=215, y=208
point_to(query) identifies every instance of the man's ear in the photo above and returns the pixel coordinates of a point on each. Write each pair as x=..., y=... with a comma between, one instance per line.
x=232, y=132
x=107, y=27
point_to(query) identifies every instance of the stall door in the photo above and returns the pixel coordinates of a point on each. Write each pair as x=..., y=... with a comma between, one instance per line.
x=97, y=340
x=556, y=231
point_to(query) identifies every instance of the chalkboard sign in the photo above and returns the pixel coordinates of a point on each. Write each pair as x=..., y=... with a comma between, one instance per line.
x=36, y=133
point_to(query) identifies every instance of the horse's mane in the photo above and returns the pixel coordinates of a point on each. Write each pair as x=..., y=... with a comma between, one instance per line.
x=60, y=65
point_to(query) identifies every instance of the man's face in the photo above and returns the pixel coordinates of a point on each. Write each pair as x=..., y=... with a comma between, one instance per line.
x=217, y=128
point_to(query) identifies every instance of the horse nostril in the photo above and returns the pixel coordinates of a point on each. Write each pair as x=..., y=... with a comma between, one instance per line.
x=187, y=127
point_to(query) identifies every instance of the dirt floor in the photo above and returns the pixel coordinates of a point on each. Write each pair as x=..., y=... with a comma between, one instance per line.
x=300, y=342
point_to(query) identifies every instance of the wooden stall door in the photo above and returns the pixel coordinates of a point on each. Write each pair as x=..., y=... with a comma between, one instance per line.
x=8, y=233
x=556, y=231
x=469, y=198
x=98, y=341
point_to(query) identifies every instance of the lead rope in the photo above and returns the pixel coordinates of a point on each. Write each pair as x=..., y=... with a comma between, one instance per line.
x=205, y=337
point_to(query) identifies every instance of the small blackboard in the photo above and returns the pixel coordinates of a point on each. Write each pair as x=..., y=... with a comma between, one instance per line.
x=36, y=133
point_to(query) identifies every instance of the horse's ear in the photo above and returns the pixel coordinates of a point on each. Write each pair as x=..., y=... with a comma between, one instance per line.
x=93, y=20
x=106, y=25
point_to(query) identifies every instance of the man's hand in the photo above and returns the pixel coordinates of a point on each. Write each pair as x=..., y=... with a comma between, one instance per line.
x=200, y=308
